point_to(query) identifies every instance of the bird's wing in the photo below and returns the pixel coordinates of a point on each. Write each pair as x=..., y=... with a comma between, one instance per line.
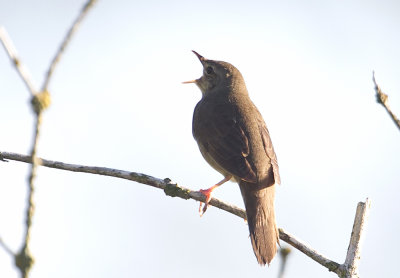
x=269, y=149
x=221, y=137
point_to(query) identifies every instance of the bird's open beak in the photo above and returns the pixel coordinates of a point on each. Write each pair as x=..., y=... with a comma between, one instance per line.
x=202, y=59
x=188, y=82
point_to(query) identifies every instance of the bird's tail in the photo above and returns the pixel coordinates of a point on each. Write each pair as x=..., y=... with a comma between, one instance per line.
x=261, y=219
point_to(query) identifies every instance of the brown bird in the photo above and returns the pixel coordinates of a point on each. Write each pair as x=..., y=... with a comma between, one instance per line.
x=234, y=140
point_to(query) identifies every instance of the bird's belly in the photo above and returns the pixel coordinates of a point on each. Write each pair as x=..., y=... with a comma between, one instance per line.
x=213, y=163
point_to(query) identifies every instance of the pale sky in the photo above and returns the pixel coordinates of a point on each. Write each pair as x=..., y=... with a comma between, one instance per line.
x=118, y=101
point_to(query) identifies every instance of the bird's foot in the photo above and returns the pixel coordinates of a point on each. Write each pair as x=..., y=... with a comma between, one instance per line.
x=207, y=193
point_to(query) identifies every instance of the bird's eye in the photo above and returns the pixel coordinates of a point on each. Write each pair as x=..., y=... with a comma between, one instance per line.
x=209, y=70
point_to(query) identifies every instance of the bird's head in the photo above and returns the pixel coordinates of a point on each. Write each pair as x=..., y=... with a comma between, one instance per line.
x=217, y=76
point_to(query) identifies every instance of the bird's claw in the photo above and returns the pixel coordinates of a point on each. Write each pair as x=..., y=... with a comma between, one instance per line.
x=202, y=209
x=207, y=194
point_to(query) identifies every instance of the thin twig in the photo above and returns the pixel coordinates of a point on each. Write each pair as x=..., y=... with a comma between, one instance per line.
x=5, y=247
x=24, y=259
x=66, y=41
x=32, y=176
x=301, y=246
x=19, y=66
x=382, y=98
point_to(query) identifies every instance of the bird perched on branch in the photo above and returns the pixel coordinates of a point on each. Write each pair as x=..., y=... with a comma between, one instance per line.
x=234, y=140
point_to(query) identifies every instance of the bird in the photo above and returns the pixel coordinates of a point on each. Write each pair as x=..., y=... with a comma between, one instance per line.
x=233, y=138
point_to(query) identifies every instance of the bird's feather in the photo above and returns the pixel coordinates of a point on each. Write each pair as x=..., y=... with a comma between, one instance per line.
x=223, y=138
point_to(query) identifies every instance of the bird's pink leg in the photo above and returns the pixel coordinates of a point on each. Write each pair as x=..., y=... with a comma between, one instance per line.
x=207, y=193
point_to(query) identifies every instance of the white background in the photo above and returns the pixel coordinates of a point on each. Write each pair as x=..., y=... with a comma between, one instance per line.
x=118, y=101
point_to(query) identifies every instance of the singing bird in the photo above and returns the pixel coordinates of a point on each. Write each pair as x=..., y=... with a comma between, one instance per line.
x=234, y=140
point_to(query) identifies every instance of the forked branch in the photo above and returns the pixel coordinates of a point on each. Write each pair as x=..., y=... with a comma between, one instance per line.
x=40, y=101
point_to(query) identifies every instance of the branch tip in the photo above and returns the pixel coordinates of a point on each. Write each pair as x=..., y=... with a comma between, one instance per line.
x=382, y=98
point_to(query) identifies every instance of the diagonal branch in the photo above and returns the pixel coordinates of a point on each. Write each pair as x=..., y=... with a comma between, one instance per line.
x=171, y=189
x=5, y=247
x=66, y=41
x=382, y=98
x=19, y=66
x=303, y=247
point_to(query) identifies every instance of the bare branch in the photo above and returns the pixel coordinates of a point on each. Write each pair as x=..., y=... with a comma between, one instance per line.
x=5, y=247
x=173, y=190
x=24, y=259
x=40, y=101
x=353, y=257
x=313, y=254
x=19, y=66
x=169, y=188
x=382, y=98
x=66, y=41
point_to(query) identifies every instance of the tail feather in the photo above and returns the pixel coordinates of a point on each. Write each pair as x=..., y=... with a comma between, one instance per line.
x=261, y=219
